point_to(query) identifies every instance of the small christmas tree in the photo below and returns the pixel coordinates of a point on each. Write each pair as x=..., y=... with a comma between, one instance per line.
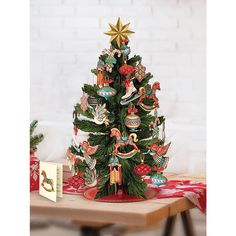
x=126, y=136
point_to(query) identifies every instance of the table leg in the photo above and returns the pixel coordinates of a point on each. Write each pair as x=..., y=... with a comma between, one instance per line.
x=187, y=223
x=89, y=231
x=170, y=222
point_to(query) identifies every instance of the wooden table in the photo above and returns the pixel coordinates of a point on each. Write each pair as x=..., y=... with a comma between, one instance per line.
x=91, y=213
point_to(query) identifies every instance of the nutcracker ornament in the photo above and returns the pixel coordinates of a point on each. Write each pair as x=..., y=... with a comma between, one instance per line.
x=132, y=121
x=149, y=93
x=123, y=140
x=115, y=171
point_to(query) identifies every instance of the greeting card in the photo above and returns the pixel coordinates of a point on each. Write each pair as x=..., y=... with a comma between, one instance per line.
x=50, y=180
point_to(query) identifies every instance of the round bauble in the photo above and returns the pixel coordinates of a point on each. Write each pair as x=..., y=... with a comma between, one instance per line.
x=158, y=179
x=76, y=181
x=132, y=121
x=106, y=92
x=93, y=101
x=142, y=169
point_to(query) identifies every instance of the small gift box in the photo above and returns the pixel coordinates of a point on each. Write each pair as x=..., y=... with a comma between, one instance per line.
x=34, y=172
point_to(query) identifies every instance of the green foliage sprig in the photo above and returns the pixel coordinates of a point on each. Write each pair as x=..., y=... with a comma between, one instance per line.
x=34, y=139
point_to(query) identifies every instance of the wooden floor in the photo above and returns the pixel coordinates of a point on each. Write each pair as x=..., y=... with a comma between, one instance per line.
x=61, y=228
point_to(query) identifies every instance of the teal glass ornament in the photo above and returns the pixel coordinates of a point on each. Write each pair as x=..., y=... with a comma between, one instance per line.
x=158, y=179
x=106, y=91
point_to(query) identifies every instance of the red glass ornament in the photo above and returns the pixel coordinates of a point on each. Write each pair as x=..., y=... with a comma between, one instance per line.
x=142, y=169
x=76, y=181
x=126, y=70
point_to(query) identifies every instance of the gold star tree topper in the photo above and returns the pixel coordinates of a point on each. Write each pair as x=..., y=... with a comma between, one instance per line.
x=119, y=32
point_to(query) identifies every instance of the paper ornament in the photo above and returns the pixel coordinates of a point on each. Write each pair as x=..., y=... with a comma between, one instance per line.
x=119, y=32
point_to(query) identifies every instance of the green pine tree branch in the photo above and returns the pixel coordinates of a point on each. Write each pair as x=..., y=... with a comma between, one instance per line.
x=88, y=113
x=91, y=90
x=90, y=126
x=34, y=139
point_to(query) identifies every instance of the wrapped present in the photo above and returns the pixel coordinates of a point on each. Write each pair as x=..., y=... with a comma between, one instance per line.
x=34, y=172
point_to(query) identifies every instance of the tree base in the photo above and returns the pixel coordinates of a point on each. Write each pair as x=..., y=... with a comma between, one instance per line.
x=119, y=197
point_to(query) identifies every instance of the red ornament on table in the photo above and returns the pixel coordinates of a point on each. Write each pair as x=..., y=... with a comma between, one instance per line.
x=76, y=181
x=34, y=172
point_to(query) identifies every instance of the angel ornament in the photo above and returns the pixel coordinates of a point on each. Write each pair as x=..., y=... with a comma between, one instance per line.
x=158, y=152
x=90, y=175
x=100, y=115
x=87, y=151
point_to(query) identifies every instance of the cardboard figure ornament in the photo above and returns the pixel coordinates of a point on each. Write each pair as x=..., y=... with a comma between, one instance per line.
x=93, y=101
x=139, y=72
x=100, y=115
x=90, y=175
x=132, y=121
x=131, y=91
x=126, y=70
x=123, y=140
x=142, y=169
x=158, y=152
x=115, y=171
x=149, y=93
x=107, y=91
x=76, y=181
x=130, y=94
x=83, y=104
x=158, y=179
x=153, y=126
x=100, y=79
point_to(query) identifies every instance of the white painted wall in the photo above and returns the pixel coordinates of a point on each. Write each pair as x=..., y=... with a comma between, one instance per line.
x=67, y=38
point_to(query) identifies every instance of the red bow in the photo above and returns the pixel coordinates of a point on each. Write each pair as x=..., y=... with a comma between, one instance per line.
x=134, y=110
x=126, y=82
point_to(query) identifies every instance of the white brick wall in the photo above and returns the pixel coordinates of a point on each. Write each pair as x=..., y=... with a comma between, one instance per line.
x=66, y=39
